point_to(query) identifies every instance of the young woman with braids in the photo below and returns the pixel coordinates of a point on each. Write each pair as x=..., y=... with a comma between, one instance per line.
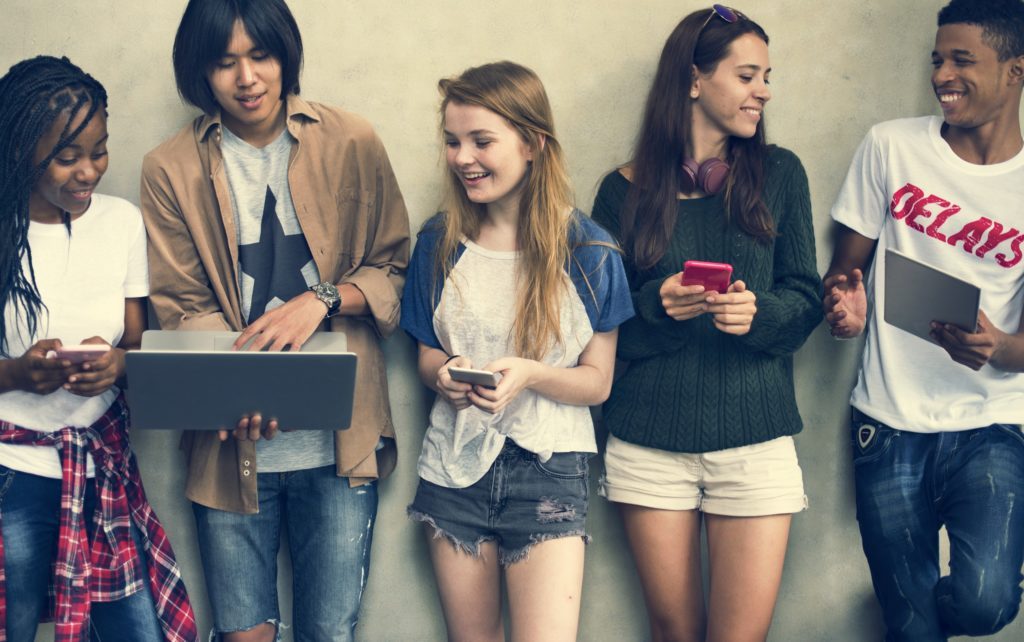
x=701, y=421
x=512, y=279
x=74, y=520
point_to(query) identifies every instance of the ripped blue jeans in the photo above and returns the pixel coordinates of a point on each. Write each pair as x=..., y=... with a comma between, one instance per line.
x=330, y=527
x=908, y=486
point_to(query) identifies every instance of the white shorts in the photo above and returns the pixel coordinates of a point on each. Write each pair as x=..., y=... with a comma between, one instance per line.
x=748, y=481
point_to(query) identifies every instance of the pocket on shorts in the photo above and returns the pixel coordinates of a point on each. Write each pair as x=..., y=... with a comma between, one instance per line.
x=871, y=441
x=563, y=465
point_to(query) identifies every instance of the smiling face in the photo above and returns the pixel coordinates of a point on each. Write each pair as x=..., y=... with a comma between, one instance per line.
x=246, y=82
x=731, y=98
x=72, y=175
x=973, y=87
x=487, y=154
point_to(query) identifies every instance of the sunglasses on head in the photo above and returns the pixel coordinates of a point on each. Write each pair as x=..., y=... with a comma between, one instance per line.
x=725, y=13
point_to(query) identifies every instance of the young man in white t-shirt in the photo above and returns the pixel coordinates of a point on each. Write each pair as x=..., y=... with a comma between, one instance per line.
x=936, y=431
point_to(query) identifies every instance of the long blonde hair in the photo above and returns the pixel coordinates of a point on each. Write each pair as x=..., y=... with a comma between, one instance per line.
x=543, y=234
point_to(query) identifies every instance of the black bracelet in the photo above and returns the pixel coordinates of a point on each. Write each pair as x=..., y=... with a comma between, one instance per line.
x=454, y=356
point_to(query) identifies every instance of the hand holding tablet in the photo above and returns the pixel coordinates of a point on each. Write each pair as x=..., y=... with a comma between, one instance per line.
x=917, y=294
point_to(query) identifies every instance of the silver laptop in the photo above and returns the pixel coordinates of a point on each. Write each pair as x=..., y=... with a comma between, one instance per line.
x=195, y=381
x=917, y=294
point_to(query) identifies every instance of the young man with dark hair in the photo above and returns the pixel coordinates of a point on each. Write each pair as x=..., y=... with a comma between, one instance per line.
x=276, y=216
x=936, y=431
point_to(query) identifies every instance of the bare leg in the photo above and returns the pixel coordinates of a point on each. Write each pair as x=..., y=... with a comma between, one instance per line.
x=544, y=591
x=265, y=632
x=746, y=555
x=470, y=590
x=666, y=551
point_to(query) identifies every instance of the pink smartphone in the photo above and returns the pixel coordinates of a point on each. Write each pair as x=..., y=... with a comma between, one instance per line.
x=82, y=352
x=713, y=276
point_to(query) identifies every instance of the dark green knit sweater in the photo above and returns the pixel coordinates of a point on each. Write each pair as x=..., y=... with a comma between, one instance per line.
x=689, y=387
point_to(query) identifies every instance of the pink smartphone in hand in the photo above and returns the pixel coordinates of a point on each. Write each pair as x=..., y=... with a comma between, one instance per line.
x=82, y=352
x=713, y=276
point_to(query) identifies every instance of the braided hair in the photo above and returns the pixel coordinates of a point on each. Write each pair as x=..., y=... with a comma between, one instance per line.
x=33, y=95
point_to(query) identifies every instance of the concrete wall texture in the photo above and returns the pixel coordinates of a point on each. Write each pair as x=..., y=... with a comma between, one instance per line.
x=839, y=67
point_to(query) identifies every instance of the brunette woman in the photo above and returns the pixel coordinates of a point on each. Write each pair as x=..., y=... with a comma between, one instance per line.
x=702, y=421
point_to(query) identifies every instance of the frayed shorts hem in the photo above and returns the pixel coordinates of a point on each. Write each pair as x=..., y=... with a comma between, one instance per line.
x=505, y=557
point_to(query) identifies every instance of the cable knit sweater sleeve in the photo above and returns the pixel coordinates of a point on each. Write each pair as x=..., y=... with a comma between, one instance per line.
x=791, y=308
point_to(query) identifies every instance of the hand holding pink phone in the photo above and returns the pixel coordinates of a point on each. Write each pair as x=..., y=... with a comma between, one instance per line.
x=713, y=276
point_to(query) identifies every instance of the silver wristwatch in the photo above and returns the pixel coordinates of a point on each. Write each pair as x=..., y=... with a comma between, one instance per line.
x=329, y=296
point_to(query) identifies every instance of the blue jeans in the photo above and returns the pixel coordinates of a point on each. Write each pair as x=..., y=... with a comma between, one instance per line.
x=30, y=509
x=330, y=526
x=908, y=485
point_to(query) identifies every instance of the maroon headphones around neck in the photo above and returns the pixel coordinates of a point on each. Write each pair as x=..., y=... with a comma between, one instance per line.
x=709, y=176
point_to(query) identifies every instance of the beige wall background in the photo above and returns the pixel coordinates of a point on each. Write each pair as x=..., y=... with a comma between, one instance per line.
x=839, y=67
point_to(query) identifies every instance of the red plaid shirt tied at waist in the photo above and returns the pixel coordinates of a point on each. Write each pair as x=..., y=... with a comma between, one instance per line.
x=106, y=569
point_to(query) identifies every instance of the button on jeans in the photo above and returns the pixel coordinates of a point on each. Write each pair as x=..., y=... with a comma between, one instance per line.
x=908, y=486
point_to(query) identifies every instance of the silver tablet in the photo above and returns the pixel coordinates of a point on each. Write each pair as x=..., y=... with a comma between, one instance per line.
x=917, y=294
x=204, y=385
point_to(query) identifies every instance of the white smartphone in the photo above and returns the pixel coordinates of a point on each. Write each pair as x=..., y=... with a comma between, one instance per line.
x=80, y=353
x=476, y=377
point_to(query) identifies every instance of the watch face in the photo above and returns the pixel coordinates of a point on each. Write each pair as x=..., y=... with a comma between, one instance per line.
x=326, y=290
x=328, y=293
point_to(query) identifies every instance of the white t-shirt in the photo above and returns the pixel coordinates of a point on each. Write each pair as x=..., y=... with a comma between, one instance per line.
x=908, y=189
x=471, y=313
x=83, y=281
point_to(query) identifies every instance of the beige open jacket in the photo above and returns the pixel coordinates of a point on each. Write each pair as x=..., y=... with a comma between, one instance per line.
x=355, y=222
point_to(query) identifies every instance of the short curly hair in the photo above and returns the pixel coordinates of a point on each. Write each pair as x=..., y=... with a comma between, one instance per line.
x=1001, y=21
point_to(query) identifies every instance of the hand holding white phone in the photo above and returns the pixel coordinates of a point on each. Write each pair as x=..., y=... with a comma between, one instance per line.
x=483, y=378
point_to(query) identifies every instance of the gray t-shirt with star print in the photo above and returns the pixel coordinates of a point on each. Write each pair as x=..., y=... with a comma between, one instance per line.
x=274, y=266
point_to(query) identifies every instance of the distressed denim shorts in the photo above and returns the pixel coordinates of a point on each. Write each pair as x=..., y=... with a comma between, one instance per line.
x=519, y=502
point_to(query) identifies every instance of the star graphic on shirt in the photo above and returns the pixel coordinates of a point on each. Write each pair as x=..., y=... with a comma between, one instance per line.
x=274, y=262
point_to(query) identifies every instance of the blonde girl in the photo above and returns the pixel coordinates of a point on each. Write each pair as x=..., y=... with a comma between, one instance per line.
x=511, y=279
